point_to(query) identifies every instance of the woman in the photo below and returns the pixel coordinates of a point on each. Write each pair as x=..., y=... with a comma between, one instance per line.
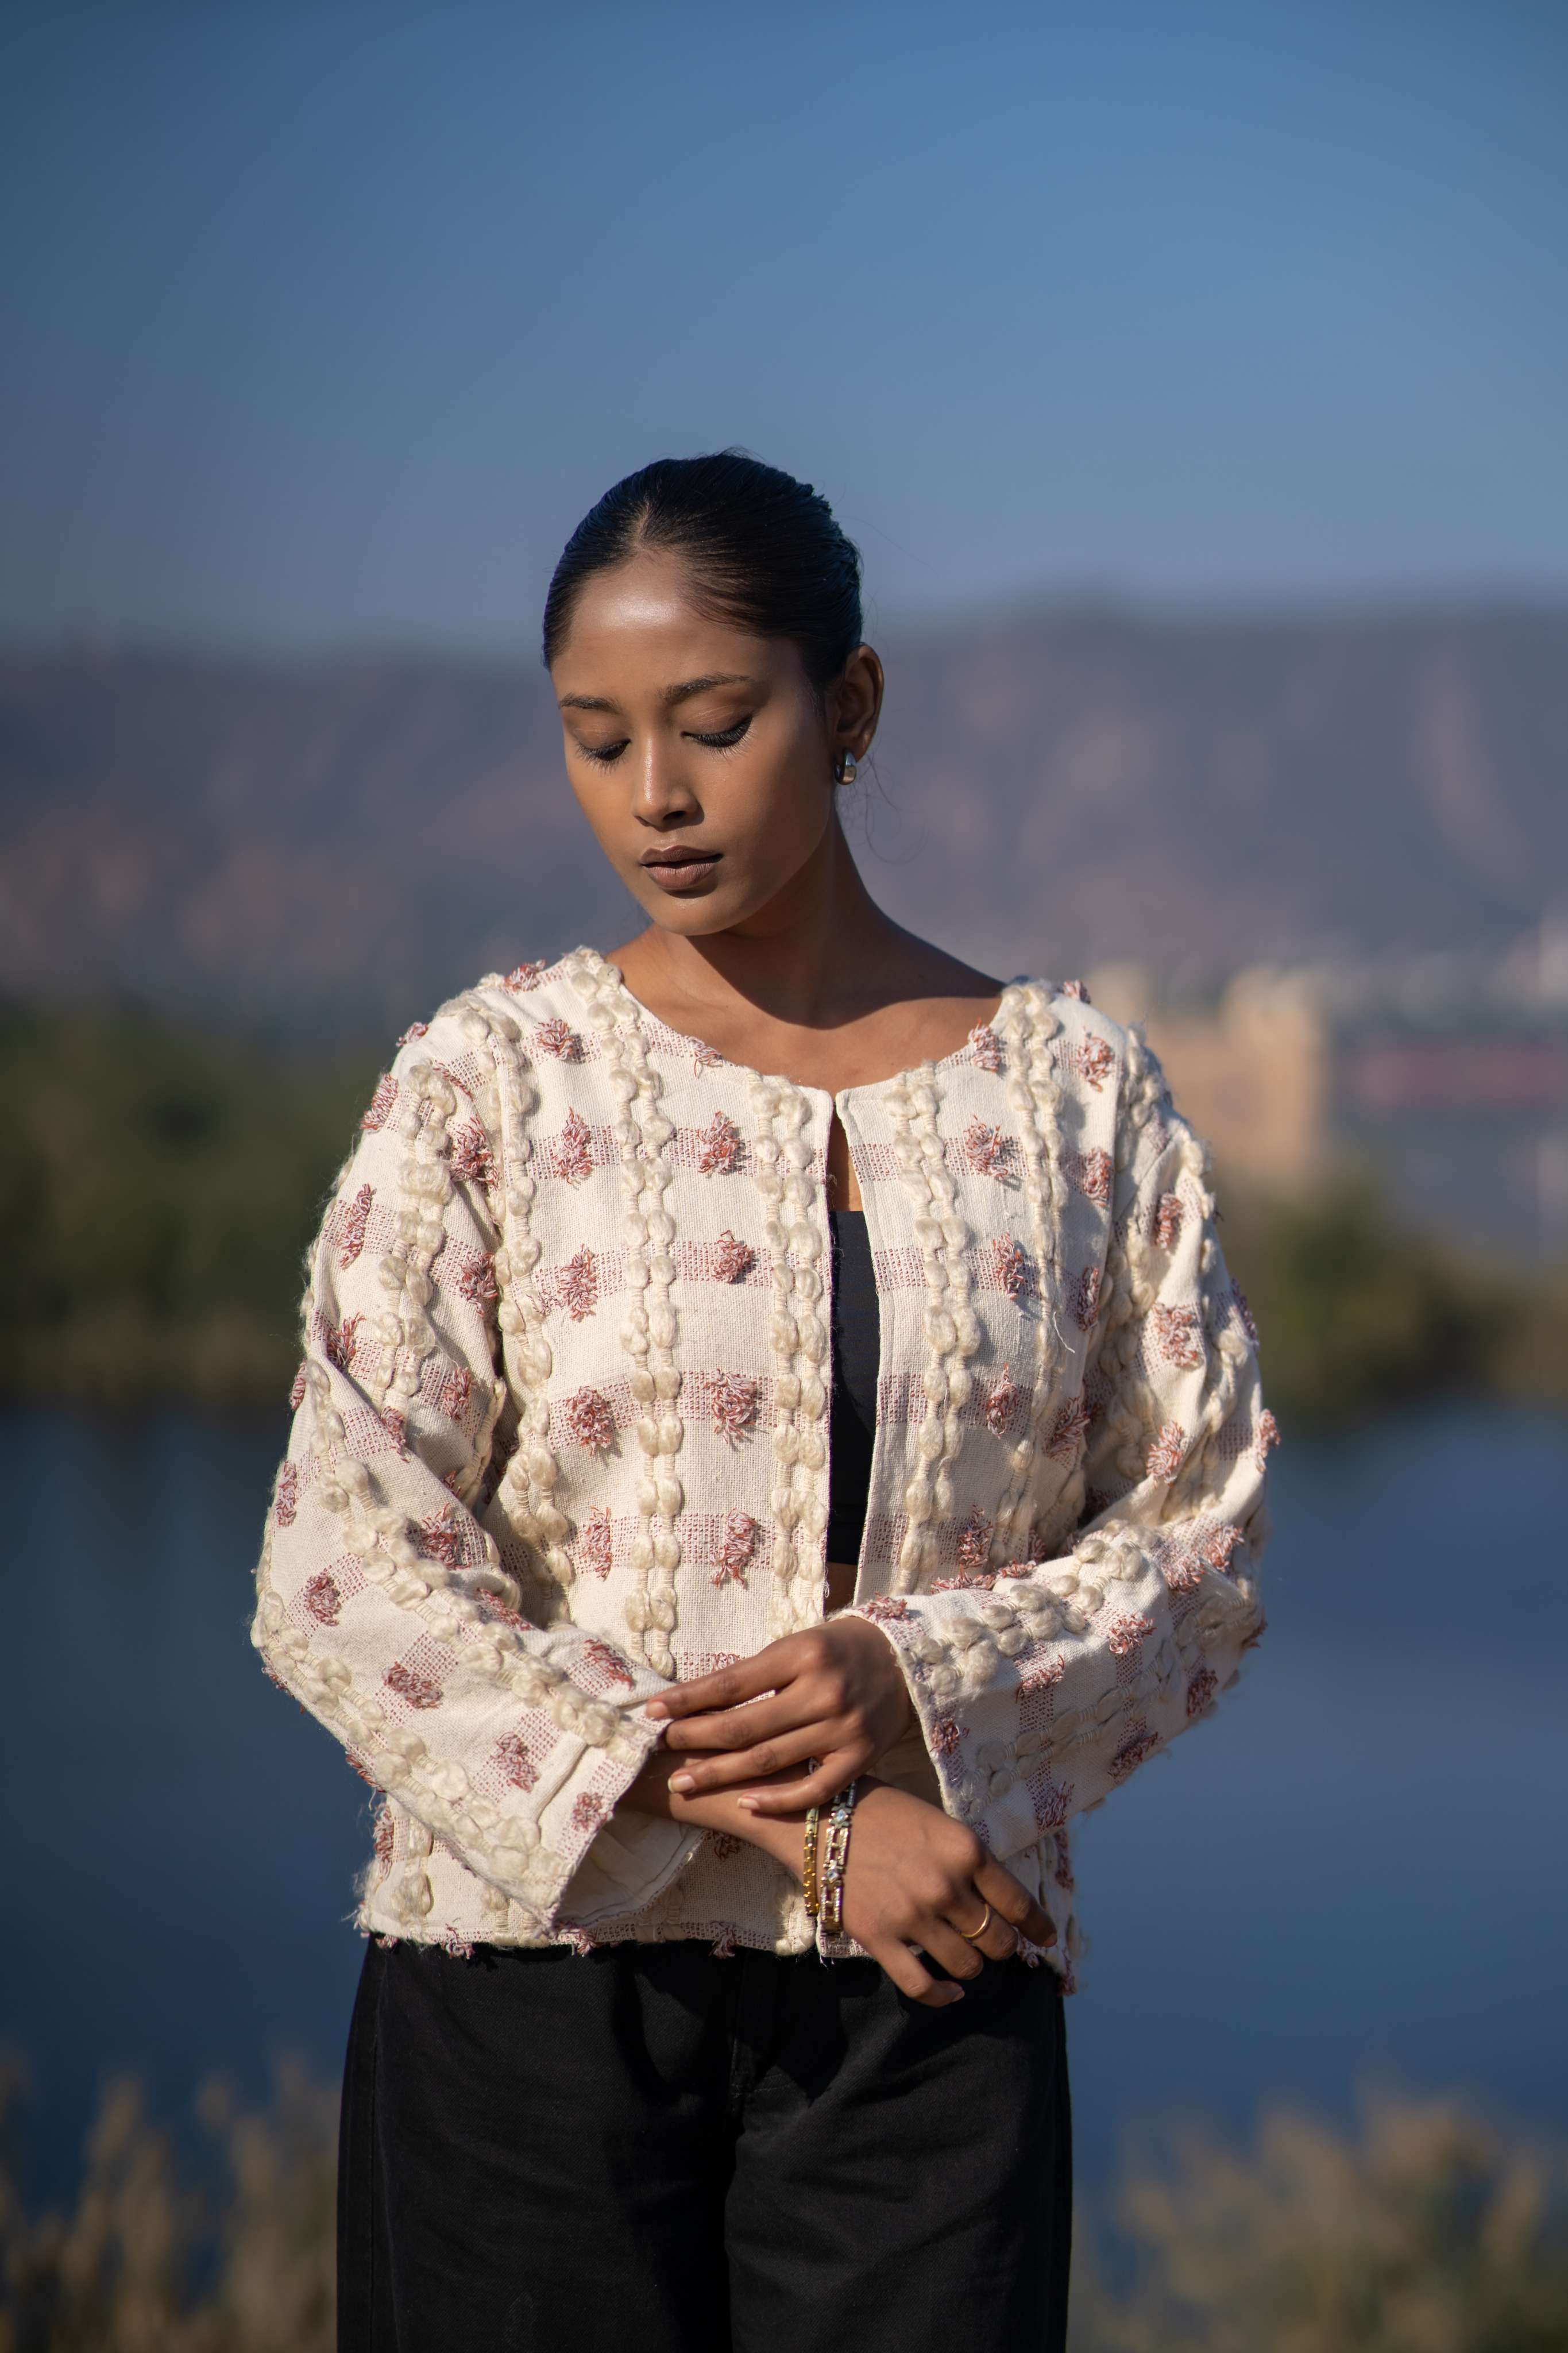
x=776, y=1366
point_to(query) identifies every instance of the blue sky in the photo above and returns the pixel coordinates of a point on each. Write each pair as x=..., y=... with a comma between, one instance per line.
x=326, y=321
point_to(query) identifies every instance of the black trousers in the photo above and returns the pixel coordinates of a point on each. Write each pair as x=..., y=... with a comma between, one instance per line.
x=650, y=2146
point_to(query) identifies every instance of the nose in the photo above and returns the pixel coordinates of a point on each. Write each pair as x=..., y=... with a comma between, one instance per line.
x=664, y=796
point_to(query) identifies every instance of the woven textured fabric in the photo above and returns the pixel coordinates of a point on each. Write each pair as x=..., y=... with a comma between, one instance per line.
x=561, y=1435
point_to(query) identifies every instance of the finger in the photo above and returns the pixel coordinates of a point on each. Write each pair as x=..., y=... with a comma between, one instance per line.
x=742, y=1727
x=727, y=1685
x=942, y=1942
x=1014, y=1903
x=836, y=1772
x=911, y=1978
x=746, y=1764
x=998, y=1941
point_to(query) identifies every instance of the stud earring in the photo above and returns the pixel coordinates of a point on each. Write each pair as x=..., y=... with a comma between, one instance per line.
x=846, y=768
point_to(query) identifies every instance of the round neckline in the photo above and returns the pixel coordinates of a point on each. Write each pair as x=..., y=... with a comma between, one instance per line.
x=712, y=1058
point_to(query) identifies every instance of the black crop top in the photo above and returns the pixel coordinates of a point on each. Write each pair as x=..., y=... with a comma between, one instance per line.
x=856, y=1355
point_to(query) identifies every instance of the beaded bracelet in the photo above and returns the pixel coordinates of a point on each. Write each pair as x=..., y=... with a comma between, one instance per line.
x=831, y=1898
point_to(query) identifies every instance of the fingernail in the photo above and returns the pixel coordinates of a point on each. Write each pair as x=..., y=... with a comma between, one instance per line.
x=954, y=1993
x=656, y=1708
x=747, y=1805
x=682, y=1781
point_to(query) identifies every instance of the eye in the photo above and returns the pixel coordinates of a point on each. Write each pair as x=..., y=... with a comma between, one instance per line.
x=604, y=752
x=726, y=736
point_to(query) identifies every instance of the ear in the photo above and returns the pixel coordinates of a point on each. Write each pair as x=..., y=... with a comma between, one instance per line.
x=855, y=705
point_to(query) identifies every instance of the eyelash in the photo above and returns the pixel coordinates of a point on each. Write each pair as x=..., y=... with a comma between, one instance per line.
x=724, y=740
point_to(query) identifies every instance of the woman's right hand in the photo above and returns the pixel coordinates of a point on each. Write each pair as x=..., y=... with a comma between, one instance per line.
x=914, y=1877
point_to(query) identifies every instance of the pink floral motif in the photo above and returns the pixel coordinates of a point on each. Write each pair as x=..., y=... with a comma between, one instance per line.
x=736, y=1550
x=473, y=1163
x=395, y=1425
x=440, y=1537
x=595, y=1545
x=1200, y=1690
x=417, y=1690
x=885, y=1607
x=735, y=1403
x=721, y=1147
x=522, y=977
x=1086, y=1305
x=478, y=1284
x=1094, y=1062
x=987, y=1048
x=1217, y=1543
x=415, y=1029
x=574, y=1149
x=591, y=1420
x=1168, y=1214
x=578, y=1285
x=1245, y=1312
x=288, y=1502
x=975, y=1544
x=614, y=1668
x=1268, y=1435
x=1076, y=988
x=966, y=1581
x=518, y=1768
x=1012, y=1271
x=457, y=1391
x=946, y=1735
x=383, y=1838
x=323, y=1598
x=988, y=1152
x=379, y=1109
x=732, y=1260
x=722, y=1848
x=1094, y=1175
x=351, y=1233
x=554, y=1037
x=296, y=1390
x=1177, y=1336
x=1124, y=1634
x=588, y=1811
x=1067, y=1430
x=338, y=1341
x=1168, y=1452
x=1001, y=1403
x=1132, y=1753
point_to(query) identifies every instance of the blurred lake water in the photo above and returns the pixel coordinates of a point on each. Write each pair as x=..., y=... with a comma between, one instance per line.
x=1353, y=1872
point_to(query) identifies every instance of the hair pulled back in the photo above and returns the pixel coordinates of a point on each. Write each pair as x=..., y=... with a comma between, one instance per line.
x=764, y=550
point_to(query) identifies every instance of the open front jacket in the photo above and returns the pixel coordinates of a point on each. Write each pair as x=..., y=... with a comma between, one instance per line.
x=561, y=1434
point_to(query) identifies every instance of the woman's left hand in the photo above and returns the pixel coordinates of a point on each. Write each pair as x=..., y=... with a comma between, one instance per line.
x=838, y=1695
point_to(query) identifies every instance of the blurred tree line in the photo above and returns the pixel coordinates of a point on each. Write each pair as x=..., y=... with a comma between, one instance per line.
x=159, y=1187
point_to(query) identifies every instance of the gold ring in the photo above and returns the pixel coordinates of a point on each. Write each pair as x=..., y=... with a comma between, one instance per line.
x=972, y=1936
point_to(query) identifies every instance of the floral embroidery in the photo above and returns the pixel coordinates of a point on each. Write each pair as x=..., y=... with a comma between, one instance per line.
x=350, y=1235
x=574, y=1149
x=1218, y=1544
x=457, y=1391
x=383, y=1838
x=1132, y=1754
x=296, y=1390
x=554, y=1037
x=419, y=1690
x=1012, y=1267
x=1245, y=1312
x=588, y=1811
x=741, y=1534
x=1168, y=1221
x=1124, y=1634
x=288, y=1501
x=1094, y=1175
x=1067, y=1430
x=441, y=1537
x=472, y=1160
x=338, y=1341
x=522, y=977
x=987, y=1048
x=323, y=1598
x=975, y=1544
x=415, y=1029
x=1268, y=1435
x=395, y=1425
x=885, y=1607
x=988, y=1151
x=517, y=1766
x=1168, y=1452
x=590, y=1420
x=379, y=1109
x=721, y=1147
x=1094, y=1062
x=1177, y=1336
x=478, y=1284
x=1076, y=988
x=595, y=1545
x=1001, y=1403
x=1200, y=1690
x=578, y=1285
x=722, y=1846
x=735, y=1403
x=732, y=1260
x=1086, y=1305
x=946, y=1735
x=614, y=1668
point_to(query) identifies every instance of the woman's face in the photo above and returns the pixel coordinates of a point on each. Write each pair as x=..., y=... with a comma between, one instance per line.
x=701, y=756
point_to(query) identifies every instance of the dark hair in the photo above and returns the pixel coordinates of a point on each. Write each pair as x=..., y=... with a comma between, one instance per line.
x=765, y=552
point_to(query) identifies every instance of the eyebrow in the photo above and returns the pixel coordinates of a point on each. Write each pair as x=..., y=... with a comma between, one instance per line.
x=672, y=694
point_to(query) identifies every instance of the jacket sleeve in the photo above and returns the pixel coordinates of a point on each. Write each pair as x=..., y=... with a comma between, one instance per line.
x=1043, y=1687
x=382, y=1603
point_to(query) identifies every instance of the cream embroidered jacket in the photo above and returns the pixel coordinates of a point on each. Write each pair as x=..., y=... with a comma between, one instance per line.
x=561, y=1433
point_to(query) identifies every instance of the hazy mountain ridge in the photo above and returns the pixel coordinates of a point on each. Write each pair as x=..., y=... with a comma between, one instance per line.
x=231, y=835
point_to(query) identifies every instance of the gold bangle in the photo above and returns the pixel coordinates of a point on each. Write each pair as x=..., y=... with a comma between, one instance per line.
x=809, y=1867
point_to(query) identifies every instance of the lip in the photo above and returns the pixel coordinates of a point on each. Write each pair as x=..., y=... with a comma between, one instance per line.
x=678, y=867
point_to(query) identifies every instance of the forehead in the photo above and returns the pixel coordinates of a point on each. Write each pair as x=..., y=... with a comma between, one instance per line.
x=641, y=624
